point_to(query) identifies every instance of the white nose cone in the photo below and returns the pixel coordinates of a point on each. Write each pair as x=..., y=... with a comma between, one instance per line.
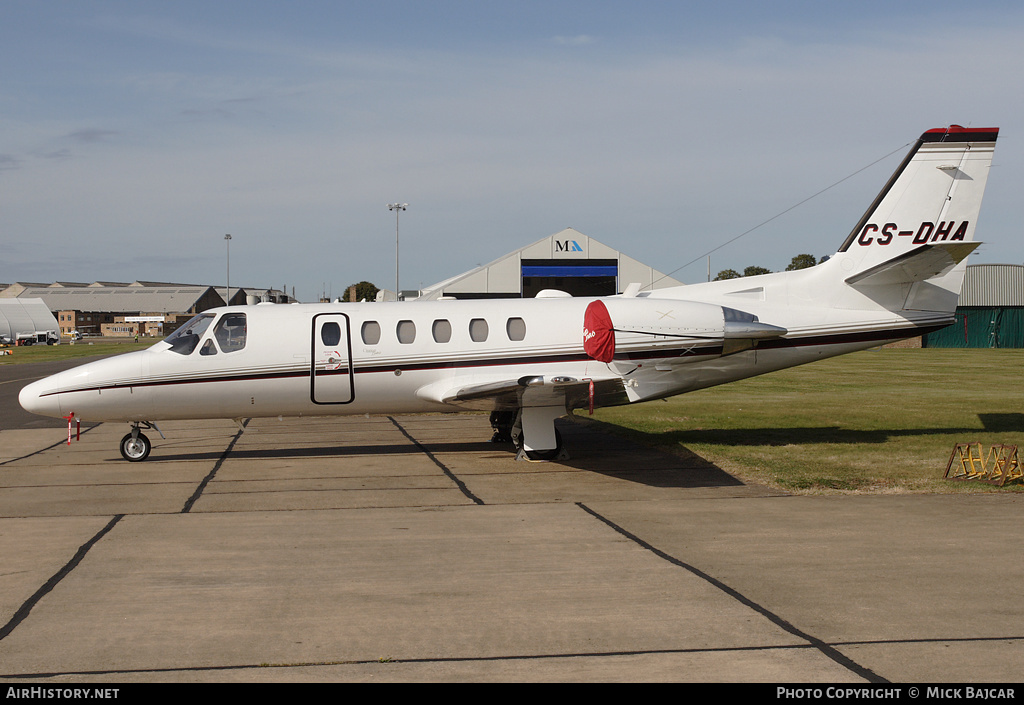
x=38, y=398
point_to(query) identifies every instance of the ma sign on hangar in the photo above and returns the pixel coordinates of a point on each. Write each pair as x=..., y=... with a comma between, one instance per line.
x=567, y=261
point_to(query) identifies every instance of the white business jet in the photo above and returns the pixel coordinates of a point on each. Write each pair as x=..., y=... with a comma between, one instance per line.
x=530, y=361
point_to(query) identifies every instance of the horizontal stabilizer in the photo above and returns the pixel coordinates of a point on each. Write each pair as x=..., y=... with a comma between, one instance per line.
x=920, y=264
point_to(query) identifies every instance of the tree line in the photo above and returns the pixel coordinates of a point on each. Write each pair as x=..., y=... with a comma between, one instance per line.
x=798, y=262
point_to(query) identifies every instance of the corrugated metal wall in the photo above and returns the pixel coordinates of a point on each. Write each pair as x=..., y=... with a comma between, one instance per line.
x=993, y=285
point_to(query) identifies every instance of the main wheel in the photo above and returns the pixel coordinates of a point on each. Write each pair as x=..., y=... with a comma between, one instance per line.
x=551, y=454
x=134, y=449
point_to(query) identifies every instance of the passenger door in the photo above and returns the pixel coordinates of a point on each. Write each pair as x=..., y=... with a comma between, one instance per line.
x=330, y=377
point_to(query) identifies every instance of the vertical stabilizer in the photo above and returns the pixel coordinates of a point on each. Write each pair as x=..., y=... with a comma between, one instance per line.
x=933, y=198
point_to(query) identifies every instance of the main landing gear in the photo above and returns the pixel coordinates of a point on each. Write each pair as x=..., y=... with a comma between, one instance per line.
x=135, y=447
x=502, y=421
x=508, y=425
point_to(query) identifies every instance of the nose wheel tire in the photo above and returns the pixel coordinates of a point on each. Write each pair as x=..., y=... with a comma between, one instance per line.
x=135, y=447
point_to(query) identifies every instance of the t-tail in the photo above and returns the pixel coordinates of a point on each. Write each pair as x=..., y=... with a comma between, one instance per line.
x=908, y=251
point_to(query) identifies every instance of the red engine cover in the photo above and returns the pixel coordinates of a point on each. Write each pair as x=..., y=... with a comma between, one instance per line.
x=598, y=334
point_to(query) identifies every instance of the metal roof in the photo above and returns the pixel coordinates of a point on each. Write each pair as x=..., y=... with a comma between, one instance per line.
x=993, y=285
x=119, y=299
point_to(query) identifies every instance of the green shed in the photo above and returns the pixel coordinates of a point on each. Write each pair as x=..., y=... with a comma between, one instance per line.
x=990, y=313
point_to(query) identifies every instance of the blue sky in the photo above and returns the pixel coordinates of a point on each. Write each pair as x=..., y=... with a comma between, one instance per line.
x=134, y=135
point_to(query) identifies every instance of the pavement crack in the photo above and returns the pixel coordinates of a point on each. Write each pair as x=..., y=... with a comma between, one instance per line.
x=50, y=584
x=49, y=447
x=444, y=468
x=216, y=466
x=824, y=648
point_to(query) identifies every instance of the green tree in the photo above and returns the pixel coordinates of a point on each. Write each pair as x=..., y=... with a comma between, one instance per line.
x=364, y=291
x=801, y=262
x=727, y=274
x=754, y=270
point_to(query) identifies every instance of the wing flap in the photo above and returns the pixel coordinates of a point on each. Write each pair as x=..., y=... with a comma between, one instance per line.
x=531, y=391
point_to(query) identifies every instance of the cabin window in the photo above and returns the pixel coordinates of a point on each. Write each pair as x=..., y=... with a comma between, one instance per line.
x=516, y=329
x=442, y=331
x=330, y=334
x=184, y=340
x=406, y=332
x=370, y=333
x=478, y=330
x=208, y=348
x=230, y=332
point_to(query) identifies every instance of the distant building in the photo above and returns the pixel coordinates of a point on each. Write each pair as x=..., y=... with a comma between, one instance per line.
x=990, y=313
x=24, y=316
x=568, y=261
x=108, y=307
x=141, y=307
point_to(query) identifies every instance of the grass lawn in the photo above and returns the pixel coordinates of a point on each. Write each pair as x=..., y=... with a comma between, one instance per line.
x=883, y=420
x=66, y=351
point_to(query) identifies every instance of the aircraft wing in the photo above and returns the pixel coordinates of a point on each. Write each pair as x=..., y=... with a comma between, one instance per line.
x=532, y=391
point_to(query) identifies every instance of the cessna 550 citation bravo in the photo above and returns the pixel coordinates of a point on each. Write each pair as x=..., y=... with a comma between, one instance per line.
x=530, y=361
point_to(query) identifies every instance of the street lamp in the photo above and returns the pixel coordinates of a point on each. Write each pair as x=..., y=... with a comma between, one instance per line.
x=227, y=239
x=396, y=207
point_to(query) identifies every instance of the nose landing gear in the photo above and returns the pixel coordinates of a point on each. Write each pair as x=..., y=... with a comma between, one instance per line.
x=135, y=446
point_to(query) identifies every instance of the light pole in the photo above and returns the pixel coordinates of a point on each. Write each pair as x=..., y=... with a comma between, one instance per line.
x=227, y=239
x=396, y=207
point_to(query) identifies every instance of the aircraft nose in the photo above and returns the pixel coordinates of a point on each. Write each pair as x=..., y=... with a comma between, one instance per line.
x=34, y=399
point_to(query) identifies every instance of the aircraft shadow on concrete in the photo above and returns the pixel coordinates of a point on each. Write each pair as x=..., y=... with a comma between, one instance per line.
x=592, y=448
x=324, y=451
x=602, y=448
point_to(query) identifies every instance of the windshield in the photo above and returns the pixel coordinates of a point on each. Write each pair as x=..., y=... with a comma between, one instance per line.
x=184, y=340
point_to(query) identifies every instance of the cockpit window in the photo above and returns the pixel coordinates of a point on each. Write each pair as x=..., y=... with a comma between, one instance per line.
x=230, y=332
x=184, y=340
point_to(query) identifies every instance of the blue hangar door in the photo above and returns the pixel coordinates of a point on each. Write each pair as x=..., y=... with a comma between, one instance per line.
x=578, y=277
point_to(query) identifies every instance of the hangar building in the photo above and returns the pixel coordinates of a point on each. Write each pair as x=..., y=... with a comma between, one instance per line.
x=24, y=316
x=122, y=310
x=568, y=261
x=990, y=313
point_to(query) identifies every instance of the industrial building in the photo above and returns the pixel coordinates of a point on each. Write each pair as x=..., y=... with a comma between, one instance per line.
x=122, y=310
x=568, y=261
x=990, y=313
